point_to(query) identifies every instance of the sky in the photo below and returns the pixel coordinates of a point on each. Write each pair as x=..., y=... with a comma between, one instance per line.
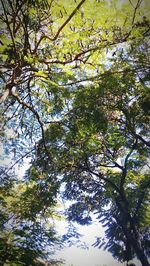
x=88, y=257
x=75, y=256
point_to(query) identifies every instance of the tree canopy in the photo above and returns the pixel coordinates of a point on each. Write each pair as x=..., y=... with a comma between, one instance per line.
x=75, y=99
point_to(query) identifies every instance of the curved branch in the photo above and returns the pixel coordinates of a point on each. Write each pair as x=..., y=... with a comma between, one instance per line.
x=68, y=19
x=27, y=106
x=62, y=26
x=101, y=176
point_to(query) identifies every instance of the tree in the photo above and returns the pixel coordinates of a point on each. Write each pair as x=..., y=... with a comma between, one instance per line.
x=101, y=149
x=27, y=234
x=43, y=99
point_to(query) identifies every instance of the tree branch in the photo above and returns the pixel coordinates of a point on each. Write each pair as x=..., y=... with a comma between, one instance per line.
x=147, y=143
x=62, y=26
x=17, y=161
x=27, y=106
x=141, y=197
x=101, y=176
x=8, y=26
x=124, y=173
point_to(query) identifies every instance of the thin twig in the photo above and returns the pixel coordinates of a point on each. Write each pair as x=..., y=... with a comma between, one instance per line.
x=18, y=160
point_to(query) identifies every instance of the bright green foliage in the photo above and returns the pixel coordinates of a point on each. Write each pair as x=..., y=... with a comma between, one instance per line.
x=47, y=45
x=75, y=82
x=27, y=236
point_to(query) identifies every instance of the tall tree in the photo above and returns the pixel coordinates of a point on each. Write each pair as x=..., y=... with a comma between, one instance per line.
x=100, y=150
x=48, y=49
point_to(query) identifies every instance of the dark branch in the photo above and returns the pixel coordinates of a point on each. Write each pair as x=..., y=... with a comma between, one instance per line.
x=62, y=26
x=37, y=117
x=143, y=189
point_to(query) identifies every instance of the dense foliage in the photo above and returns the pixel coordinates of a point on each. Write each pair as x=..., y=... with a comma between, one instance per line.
x=100, y=149
x=75, y=99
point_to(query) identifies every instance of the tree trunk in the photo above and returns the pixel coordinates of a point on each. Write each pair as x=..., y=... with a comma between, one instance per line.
x=136, y=243
x=140, y=253
x=131, y=233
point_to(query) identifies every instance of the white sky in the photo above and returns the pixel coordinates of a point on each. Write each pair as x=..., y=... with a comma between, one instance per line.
x=88, y=257
x=74, y=256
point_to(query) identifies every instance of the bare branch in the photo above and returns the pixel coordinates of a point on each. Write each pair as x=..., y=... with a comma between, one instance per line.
x=135, y=10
